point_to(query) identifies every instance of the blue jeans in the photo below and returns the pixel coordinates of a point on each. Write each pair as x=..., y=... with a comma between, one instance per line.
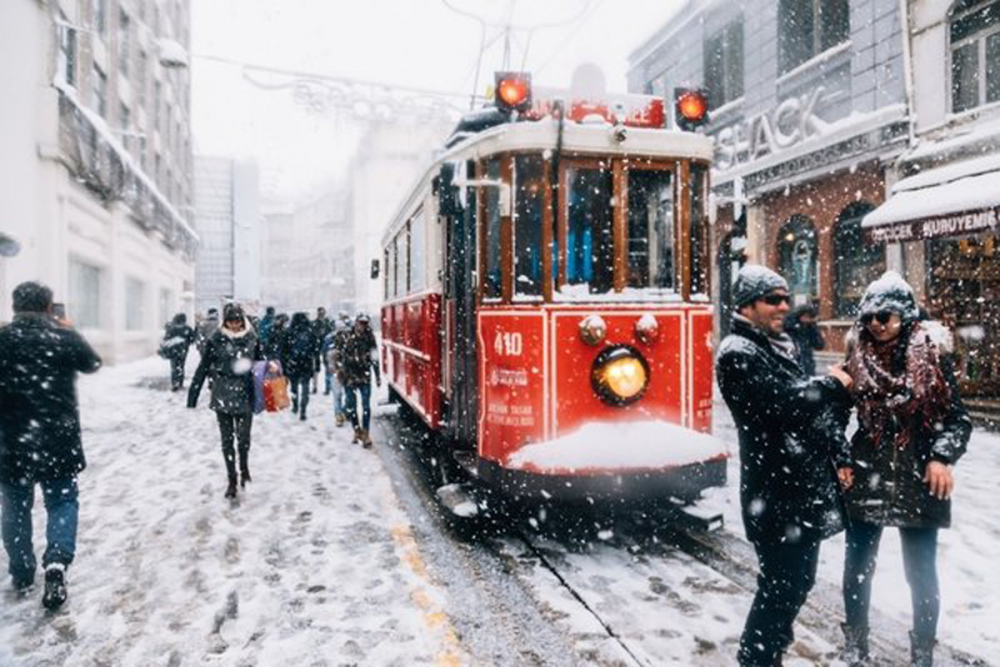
x=63, y=509
x=366, y=404
x=919, y=563
x=338, y=394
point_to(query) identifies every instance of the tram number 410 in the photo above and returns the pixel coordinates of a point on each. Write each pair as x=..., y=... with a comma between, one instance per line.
x=510, y=344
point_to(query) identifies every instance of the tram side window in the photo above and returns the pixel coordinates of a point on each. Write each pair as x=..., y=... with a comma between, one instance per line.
x=590, y=234
x=699, y=232
x=385, y=274
x=528, y=249
x=417, y=266
x=650, y=229
x=395, y=266
x=494, y=270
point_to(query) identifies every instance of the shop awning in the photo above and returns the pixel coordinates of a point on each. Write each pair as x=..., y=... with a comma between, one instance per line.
x=959, y=200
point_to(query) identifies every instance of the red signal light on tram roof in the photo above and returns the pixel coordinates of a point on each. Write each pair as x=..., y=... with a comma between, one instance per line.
x=691, y=107
x=513, y=91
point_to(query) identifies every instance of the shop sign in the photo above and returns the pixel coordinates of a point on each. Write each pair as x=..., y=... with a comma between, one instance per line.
x=791, y=122
x=957, y=224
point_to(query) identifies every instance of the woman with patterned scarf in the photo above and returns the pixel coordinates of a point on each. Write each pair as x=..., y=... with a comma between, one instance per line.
x=912, y=427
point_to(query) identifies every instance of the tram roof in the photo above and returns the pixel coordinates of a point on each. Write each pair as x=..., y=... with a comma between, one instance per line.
x=578, y=140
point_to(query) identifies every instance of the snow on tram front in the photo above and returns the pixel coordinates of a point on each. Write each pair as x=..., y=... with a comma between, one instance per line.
x=546, y=298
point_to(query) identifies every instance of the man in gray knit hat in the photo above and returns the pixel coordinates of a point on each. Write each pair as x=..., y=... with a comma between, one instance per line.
x=788, y=469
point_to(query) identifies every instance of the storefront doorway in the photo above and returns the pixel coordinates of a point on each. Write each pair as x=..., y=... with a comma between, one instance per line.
x=964, y=292
x=797, y=259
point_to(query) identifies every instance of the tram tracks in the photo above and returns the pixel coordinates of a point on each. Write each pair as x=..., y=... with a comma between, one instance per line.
x=560, y=572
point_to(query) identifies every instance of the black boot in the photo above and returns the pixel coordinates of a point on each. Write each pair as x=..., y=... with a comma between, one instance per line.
x=921, y=651
x=855, y=645
x=295, y=404
x=231, y=489
x=55, y=587
x=245, y=477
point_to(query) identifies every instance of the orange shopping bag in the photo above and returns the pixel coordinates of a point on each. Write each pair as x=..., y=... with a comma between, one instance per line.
x=276, y=393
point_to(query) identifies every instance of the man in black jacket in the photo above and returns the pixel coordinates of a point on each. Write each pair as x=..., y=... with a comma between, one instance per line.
x=788, y=471
x=40, y=437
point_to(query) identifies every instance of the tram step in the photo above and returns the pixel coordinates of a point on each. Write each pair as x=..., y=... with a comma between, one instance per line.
x=698, y=518
x=467, y=461
x=459, y=500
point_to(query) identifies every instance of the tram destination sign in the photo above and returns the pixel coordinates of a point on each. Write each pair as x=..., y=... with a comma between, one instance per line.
x=967, y=223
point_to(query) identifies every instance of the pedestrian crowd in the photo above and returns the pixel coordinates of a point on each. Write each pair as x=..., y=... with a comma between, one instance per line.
x=801, y=479
x=40, y=437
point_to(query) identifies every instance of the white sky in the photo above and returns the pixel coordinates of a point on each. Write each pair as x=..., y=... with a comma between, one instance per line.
x=419, y=43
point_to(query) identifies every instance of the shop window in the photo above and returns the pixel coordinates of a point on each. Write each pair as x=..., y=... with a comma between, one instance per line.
x=84, y=305
x=650, y=229
x=590, y=237
x=528, y=198
x=135, y=304
x=723, y=54
x=856, y=262
x=974, y=32
x=493, y=284
x=807, y=28
x=797, y=258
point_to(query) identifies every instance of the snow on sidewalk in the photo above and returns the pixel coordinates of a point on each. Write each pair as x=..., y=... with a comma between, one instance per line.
x=314, y=565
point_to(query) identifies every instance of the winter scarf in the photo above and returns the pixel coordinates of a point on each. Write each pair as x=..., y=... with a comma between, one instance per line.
x=888, y=391
x=782, y=343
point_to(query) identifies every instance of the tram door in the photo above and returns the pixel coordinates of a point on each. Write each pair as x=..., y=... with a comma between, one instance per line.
x=459, y=335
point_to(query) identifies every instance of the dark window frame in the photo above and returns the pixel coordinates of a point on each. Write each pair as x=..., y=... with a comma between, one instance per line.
x=973, y=30
x=723, y=58
x=853, y=255
x=807, y=28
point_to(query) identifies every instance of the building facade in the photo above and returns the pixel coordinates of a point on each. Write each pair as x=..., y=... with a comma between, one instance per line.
x=808, y=108
x=308, y=258
x=230, y=224
x=943, y=209
x=95, y=164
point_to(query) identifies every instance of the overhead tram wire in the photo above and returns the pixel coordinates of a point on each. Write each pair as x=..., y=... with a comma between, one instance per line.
x=582, y=22
x=331, y=78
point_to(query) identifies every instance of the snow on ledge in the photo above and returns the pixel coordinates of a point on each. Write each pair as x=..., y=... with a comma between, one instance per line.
x=619, y=447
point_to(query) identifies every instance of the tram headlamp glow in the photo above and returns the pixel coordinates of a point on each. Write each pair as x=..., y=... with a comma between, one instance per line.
x=620, y=375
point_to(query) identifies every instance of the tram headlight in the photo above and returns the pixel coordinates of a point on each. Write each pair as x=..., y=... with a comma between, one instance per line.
x=620, y=375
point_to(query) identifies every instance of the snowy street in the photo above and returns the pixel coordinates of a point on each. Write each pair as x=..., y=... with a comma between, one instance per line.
x=335, y=556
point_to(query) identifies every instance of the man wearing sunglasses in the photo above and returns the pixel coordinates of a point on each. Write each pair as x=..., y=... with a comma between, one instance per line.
x=788, y=482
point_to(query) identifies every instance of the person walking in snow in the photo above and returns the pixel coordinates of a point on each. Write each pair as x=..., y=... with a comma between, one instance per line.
x=332, y=351
x=356, y=361
x=264, y=328
x=298, y=352
x=276, y=337
x=177, y=339
x=40, y=441
x=788, y=486
x=321, y=328
x=205, y=329
x=800, y=325
x=912, y=428
x=228, y=359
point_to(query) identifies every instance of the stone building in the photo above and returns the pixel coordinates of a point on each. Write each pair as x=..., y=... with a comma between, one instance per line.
x=809, y=111
x=95, y=163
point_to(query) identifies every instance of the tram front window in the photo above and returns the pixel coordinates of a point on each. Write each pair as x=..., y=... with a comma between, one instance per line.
x=589, y=235
x=530, y=185
x=650, y=229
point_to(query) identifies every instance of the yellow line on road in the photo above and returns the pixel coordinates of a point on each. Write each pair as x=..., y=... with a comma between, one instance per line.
x=435, y=618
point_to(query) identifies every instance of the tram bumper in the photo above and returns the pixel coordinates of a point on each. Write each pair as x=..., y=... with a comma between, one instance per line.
x=644, y=461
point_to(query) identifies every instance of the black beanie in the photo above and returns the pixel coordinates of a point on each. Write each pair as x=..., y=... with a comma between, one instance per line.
x=232, y=311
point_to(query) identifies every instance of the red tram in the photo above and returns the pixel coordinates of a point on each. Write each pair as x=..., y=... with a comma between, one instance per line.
x=546, y=299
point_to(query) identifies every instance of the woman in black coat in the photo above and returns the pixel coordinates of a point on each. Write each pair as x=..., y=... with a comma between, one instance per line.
x=912, y=427
x=229, y=356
